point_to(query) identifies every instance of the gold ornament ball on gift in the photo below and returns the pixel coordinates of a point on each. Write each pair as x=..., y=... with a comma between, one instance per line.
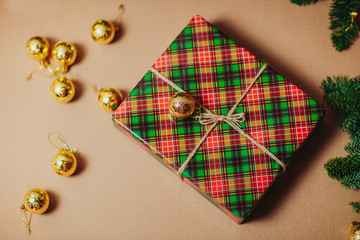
x=64, y=54
x=62, y=89
x=37, y=48
x=36, y=201
x=64, y=163
x=103, y=31
x=181, y=105
x=109, y=99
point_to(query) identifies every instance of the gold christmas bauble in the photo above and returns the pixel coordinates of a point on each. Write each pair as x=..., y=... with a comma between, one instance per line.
x=62, y=89
x=37, y=48
x=109, y=99
x=64, y=54
x=64, y=163
x=103, y=31
x=355, y=231
x=36, y=201
x=181, y=105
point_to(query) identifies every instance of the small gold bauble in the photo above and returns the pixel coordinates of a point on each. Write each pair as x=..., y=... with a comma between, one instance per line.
x=109, y=99
x=181, y=105
x=37, y=48
x=36, y=201
x=64, y=54
x=62, y=89
x=64, y=163
x=103, y=31
x=354, y=231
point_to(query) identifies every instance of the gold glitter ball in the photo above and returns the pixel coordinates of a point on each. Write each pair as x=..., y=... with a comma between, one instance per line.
x=37, y=48
x=103, y=31
x=36, y=201
x=181, y=105
x=62, y=89
x=64, y=163
x=64, y=54
x=109, y=99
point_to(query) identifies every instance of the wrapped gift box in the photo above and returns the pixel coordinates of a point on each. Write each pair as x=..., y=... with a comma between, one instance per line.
x=230, y=168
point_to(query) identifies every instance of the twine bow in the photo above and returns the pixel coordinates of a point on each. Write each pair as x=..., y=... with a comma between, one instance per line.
x=209, y=118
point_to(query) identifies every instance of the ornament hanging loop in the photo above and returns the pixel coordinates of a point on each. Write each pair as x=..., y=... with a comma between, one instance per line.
x=26, y=218
x=118, y=16
x=63, y=141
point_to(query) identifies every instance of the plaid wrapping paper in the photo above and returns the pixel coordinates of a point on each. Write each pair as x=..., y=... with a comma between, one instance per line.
x=228, y=169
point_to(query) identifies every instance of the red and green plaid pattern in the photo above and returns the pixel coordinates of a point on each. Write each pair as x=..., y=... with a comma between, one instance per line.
x=228, y=168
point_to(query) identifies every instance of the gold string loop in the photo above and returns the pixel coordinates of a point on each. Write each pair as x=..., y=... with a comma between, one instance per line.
x=353, y=16
x=63, y=141
x=26, y=218
x=44, y=64
x=117, y=18
x=94, y=88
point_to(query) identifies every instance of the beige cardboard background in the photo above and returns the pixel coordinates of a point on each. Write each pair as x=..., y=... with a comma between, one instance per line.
x=121, y=192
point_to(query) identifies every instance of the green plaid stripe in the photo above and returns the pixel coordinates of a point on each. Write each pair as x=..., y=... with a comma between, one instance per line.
x=228, y=168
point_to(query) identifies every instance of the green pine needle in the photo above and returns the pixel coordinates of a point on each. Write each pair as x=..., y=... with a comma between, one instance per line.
x=344, y=27
x=355, y=206
x=304, y=2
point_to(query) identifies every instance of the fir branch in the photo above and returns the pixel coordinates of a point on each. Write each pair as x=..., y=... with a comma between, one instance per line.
x=341, y=167
x=352, y=181
x=343, y=95
x=304, y=2
x=343, y=23
x=355, y=206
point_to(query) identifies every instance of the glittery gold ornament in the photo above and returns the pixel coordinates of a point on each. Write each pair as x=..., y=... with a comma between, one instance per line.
x=64, y=162
x=62, y=89
x=37, y=48
x=36, y=201
x=181, y=105
x=103, y=31
x=64, y=54
x=109, y=99
x=355, y=231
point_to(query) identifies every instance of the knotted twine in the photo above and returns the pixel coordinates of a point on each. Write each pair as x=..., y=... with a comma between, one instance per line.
x=210, y=118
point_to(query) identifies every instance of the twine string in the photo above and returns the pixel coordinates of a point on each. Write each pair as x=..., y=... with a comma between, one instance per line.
x=209, y=118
